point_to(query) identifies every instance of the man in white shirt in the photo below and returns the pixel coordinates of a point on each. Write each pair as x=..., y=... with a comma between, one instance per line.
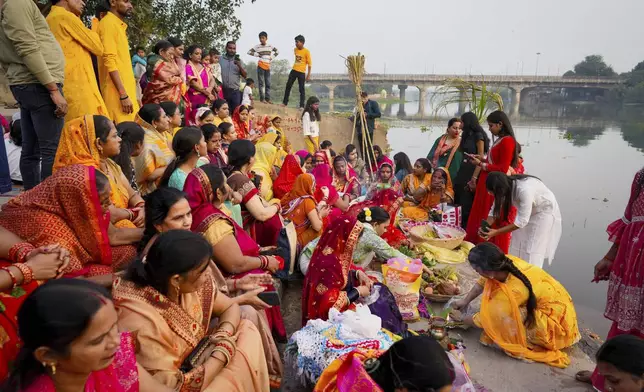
x=266, y=54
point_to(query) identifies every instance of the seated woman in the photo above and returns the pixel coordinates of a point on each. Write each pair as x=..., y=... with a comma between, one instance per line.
x=356, y=163
x=212, y=135
x=290, y=170
x=168, y=301
x=416, y=362
x=276, y=140
x=371, y=246
x=524, y=311
x=300, y=207
x=414, y=186
x=189, y=145
x=164, y=78
x=445, y=151
x=174, y=117
x=326, y=192
x=275, y=126
x=306, y=160
x=241, y=122
x=439, y=191
x=68, y=327
x=169, y=209
x=402, y=165
x=261, y=219
x=228, y=135
x=132, y=136
x=157, y=155
x=69, y=208
x=222, y=112
x=379, y=156
x=264, y=166
x=334, y=281
x=345, y=180
x=93, y=141
x=321, y=158
x=234, y=251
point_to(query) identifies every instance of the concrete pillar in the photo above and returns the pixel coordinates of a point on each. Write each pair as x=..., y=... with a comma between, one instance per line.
x=516, y=100
x=331, y=88
x=422, y=91
x=462, y=102
x=401, y=107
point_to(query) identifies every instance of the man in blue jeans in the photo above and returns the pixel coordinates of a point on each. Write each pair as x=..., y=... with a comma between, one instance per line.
x=35, y=67
x=231, y=74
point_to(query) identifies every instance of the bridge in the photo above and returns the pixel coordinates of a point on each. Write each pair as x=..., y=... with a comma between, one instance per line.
x=518, y=84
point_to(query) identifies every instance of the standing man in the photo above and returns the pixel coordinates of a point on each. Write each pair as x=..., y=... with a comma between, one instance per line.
x=115, y=69
x=78, y=43
x=266, y=54
x=302, y=60
x=231, y=71
x=372, y=112
x=35, y=66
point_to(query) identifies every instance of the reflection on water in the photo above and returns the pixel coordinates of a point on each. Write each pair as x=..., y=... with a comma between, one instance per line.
x=590, y=170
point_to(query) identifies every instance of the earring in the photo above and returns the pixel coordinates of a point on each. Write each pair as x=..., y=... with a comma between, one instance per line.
x=52, y=367
x=177, y=290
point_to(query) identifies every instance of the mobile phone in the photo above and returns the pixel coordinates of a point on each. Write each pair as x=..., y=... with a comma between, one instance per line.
x=237, y=57
x=270, y=297
x=485, y=226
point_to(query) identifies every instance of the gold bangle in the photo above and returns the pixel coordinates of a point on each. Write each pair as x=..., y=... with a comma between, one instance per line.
x=223, y=352
x=221, y=325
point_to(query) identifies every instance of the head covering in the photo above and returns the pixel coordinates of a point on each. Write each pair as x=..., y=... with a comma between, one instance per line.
x=269, y=138
x=200, y=111
x=392, y=180
x=346, y=182
x=303, y=187
x=77, y=144
x=241, y=127
x=431, y=200
x=323, y=155
x=324, y=179
x=303, y=154
x=288, y=173
x=265, y=157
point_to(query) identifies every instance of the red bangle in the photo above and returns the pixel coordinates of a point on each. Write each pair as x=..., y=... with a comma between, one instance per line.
x=227, y=347
x=27, y=272
x=14, y=281
x=19, y=252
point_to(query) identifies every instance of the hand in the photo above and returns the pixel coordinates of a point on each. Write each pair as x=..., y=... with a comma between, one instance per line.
x=364, y=280
x=308, y=77
x=471, y=185
x=253, y=281
x=236, y=197
x=324, y=211
x=475, y=156
x=126, y=105
x=602, y=269
x=486, y=235
x=459, y=304
x=139, y=221
x=325, y=192
x=364, y=291
x=45, y=265
x=273, y=264
x=56, y=249
x=60, y=102
x=251, y=298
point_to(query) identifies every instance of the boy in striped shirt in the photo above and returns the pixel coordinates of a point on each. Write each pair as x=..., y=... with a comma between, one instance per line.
x=266, y=54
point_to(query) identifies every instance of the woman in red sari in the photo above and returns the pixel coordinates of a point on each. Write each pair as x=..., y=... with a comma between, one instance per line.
x=164, y=79
x=345, y=180
x=291, y=168
x=503, y=155
x=234, y=251
x=241, y=122
x=326, y=192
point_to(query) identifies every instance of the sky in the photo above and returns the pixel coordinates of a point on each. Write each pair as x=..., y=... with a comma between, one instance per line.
x=492, y=37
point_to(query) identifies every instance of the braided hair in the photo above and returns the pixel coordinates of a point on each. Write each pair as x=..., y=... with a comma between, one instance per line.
x=488, y=257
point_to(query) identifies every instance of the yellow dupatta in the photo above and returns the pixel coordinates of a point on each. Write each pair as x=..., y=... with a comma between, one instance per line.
x=156, y=154
x=272, y=139
x=265, y=157
x=555, y=325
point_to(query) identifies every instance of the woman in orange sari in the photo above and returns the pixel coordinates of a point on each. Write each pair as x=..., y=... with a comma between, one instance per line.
x=300, y=207
x=164, y=79
x=93, y=141
x=440, y=190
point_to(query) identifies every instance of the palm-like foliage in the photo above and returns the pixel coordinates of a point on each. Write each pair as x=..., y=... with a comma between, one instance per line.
x=480, y=99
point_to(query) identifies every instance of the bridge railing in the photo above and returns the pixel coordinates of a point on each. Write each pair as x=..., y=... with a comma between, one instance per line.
x=510, y=79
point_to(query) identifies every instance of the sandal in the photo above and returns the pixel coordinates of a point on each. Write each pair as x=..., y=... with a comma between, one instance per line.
x=584, y=376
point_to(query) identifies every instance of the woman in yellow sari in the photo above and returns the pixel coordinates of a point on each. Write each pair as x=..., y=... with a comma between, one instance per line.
x=150, y=165
x=277, y=141
x=421, y=197
x=169, y=302
x=524, y=311
x=94, y=141
x=265, y=161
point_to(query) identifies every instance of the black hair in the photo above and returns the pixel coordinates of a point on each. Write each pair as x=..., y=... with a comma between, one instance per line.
x=231, y=42
x=489, y=257
x=300, y=38
x=625, y=352
x=209, y=130
x=349, y=149
x=131, y=134
x=240, y=152
x=218, y=104
x=173, y=252
x=101, y=181
x=150, y=112
x=139, y=48
x=378, y=215
x=401, y=161
x=169, y=107
x=472, y=128
x=102, y=127
x=205, y=114
x=364, y=94
x=377, y=148
x=247, y=108
x=225, y=128
x=326, y=144
x=54, y=315
x=102, y=7
x=263, y=34
x=15, y=133
x=416, y=363
x=213, y=51
x=174, y=41
x=183, y=145
x=499, y=117
x=162, y=45
x=215, y=176
x=304, y=159
x=308, y=108
x=157, y=207
x=425, y=163
x=249, y=81
x=452, y=121
x=333, y=153
x=502, y=187
x=190, y=50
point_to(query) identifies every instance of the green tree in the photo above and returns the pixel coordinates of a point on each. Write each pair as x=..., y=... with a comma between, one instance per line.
x=593, y=65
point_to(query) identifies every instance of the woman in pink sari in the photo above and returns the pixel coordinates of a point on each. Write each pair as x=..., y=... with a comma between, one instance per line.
x=199, y=78
x=70, y=337
x=326, y=192
x=234, y=251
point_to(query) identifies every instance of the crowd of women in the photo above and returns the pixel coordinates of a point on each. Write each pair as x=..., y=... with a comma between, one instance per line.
x=141, y=262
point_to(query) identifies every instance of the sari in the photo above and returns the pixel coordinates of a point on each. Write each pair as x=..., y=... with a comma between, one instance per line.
x=286, y=144
x=165, y=84
x=241, y=127
x=195, y=97
x=77, y=146
x=296, y=206
x=122, y=375
x=167, y=332
x=272, y=139
x=348, y=183
x=503, y=311
x=324, y=184
x=420, y=212
x=264, y=165
x=446, y=155
x=156, y=154
x=322, y=154
x=290, y=170
x=214, y=224
x=264, y=233
x=302, y=154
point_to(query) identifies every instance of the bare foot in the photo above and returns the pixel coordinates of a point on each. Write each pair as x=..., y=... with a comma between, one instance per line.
x=584, y=376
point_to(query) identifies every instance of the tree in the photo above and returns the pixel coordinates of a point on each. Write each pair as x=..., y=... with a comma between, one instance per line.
x=594, y=65
x=569, y=73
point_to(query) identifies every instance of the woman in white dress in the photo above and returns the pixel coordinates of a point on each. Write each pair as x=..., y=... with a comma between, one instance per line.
x=536, y=230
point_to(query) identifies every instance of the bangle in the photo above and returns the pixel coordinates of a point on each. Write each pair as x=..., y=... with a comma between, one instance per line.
x=263, y=262
x=130, y=214
x=14, y=281
x=221, y=324
x=19, y=252
x=124, y=98
x=234, y=284
x=224, y=352
x=27, y=272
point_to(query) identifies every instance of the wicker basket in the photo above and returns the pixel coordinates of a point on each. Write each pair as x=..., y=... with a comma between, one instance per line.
x=439, y=298
x=417, y=234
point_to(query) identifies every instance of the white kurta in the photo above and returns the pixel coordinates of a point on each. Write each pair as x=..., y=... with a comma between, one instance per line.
x=539, y=222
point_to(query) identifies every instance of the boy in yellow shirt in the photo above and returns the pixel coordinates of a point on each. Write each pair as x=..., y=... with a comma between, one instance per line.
x=299, y=71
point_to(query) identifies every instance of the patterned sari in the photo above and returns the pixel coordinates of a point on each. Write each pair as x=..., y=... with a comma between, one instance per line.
x=420, y=212
x=156, y=154
x=324, y=183
x=288, y=173
x=296, y=206
x=348, y=183
x=165, y=84
x=77, y=146
x=446, y=155
x=272, y=139
x=195, y=97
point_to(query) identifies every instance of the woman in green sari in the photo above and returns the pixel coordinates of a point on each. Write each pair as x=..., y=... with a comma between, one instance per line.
x=445, y=152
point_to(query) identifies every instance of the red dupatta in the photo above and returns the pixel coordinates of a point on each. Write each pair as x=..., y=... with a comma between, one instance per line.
x=288, y=174
x=348, y=182
x=241, y=127
x=324, y=179
x=328, y=273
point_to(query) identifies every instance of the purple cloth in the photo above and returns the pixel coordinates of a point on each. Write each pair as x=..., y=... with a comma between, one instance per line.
x=387, y=309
